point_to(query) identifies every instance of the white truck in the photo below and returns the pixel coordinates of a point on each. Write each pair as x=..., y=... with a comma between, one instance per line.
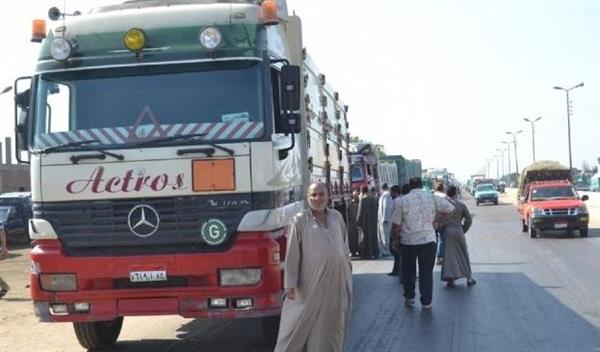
x=170, y=143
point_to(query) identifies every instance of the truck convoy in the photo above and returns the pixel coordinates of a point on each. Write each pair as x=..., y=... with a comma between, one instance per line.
x=372, y=170
x=170, y=144
x=549, y=201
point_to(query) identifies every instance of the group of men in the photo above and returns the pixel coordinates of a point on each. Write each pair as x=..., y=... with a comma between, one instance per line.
x=400, y=222
x=318, y=274
x=369, y=221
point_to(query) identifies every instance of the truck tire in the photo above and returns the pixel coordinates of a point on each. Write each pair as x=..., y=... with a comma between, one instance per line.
x=270, y=329
x=583, y=232
x=533, y=233
x=524, y=226
x=98, y=335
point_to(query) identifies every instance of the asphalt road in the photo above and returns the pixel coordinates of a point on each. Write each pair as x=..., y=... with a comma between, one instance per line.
x=532, y=295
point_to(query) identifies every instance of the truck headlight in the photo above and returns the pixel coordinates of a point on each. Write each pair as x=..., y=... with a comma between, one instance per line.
x=58, y=282
x=210, y=38
x=538, y=212
x=60, y=49
x=240, y=277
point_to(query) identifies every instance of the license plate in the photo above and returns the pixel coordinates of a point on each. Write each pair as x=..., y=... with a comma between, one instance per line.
x=147, y=276
x=560, y=225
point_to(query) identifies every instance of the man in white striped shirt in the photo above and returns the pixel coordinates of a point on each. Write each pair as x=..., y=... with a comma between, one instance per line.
x=413, y=221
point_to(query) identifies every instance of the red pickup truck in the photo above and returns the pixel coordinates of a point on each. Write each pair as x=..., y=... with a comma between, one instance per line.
x=549, y=202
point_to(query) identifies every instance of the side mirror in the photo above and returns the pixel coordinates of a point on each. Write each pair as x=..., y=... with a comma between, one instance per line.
x=290, y=98
x=585, y=197
x=22, y=99
x=22, y=106
x=290, y=86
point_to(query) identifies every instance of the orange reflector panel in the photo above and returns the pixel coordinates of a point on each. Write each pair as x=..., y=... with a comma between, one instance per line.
x=38, y=31
x=213, y=175
x=269, y=12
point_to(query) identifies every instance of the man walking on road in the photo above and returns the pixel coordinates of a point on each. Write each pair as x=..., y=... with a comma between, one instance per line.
x=385, y=210
x=395, y=192
x=413, y=220
x=439, y=192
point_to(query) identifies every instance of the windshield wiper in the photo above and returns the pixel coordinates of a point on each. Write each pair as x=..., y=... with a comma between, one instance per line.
x=101, y=155
x=168, y=139
x=76, y=158
x=184, y=138
x=69, y=145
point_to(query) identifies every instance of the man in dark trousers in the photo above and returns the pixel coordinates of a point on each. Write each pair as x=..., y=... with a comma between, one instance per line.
x=367, y=220
x=413, y=222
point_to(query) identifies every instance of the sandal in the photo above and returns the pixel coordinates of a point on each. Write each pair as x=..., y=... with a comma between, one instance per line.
x=471, y=282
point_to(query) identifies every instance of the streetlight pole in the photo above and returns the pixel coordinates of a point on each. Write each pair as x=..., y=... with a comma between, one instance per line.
x=497, y=166
x=514, y=134
x=501, y=151
x=488, y=175
x=569, y=119
x=532, y=122
x=508, y=145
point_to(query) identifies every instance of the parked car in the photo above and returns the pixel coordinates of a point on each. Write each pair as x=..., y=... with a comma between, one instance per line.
x=15, y=212
x=485, y=193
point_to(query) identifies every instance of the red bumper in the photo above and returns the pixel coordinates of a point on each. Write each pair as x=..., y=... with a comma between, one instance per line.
x=103, y=282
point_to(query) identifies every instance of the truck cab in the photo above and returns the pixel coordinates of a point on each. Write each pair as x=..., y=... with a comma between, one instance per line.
x=553, y=206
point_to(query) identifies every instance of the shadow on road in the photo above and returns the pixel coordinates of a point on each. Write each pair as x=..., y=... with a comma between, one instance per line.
x=503, y=312
x=206, y=336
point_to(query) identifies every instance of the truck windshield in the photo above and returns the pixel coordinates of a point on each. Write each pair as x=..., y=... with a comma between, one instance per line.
x=548, y=193
x=125, y=106
x=357, y=173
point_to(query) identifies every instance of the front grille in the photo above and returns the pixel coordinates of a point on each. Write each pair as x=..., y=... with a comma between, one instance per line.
x=95, y=228
x=566, y=211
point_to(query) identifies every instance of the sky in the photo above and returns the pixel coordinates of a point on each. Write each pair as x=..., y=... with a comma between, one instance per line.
x=439, y=81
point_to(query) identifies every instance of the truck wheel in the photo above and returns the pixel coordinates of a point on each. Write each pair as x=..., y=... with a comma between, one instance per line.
x=270, y=329
x=583, y=232
x=98, y=335
x=524, y=226
x=533, y=233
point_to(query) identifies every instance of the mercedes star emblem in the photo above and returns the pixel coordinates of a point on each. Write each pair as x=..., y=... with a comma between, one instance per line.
x=143, y=220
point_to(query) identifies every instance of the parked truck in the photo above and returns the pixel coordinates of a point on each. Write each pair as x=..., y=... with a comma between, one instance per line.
x=548, y=200
x=170, y=144
x=365, y=166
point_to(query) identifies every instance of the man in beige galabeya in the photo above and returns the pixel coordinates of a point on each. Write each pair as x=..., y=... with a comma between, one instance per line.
x=318, y=279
